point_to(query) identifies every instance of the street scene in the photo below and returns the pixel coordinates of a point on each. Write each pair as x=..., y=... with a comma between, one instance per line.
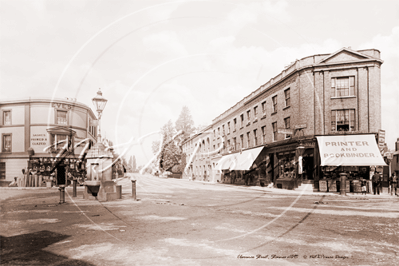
x=179, y=222
x=196, y=132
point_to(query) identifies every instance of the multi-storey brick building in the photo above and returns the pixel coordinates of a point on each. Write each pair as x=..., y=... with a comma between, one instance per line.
x=34, y=131
x=336, y=94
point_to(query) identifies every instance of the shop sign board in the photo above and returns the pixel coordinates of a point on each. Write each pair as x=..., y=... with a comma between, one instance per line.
x=285, y=131
x=38, y=138
x=349, y=150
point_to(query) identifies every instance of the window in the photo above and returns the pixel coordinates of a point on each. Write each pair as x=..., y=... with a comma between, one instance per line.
x=343, y=120
x=287, y=126
x=223, y=131
x=248, y=139
x=6, y=118
x=264, y=134
x=255, y=111
x=234, y=143
x=274, y=125
x=242, y=120
x=228, y=145
x=218, y=131
x=2, y=170
x=235, y=124
x=255, y=138
x=274, y=99
x=264, y=107
x=342, y=87
x=59, y=141
x=287, y=97
x=62, y=117
x=228, y=127
x=242, y=141
x=7, y=141
x=249, y=115
x=92, y=128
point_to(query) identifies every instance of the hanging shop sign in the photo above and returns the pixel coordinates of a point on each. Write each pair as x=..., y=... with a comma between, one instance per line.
x=349, y=150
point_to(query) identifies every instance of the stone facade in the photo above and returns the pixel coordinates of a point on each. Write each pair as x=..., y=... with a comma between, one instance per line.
x=309, y=94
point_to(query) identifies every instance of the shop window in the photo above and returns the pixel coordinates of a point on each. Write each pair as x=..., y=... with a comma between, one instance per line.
x=2, y=170
x=274, y=125
x=274, y=99
x=287, y=126
x=287, y=97
x=62, y=117
x=342, y=87
x=248, y=139
x=6, y=118
x=7, y=143
x=264, y=134
x=255, y=138
x=343, y=120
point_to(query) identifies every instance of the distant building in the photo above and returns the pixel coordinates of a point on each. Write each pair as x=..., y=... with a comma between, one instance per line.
x=29, y=126
x=264, y=134
x=395, y=159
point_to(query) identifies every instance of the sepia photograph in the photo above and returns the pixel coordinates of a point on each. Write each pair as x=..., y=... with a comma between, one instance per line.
x=199, y=132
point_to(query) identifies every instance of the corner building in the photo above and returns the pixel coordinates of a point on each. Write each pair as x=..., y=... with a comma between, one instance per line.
x=29, y=126
x=272, y=135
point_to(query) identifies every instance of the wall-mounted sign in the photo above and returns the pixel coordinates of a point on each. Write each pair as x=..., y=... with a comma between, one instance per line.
x=300, y=126
x=285, y=131
x=39, y=138
x=62, y=106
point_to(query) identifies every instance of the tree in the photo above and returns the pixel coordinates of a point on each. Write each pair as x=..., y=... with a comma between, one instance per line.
x=185, y=123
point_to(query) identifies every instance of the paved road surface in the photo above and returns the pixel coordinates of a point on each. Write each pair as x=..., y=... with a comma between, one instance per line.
x=180, y=222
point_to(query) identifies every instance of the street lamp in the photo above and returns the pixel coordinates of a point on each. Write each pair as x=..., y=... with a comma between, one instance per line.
x=99, y=102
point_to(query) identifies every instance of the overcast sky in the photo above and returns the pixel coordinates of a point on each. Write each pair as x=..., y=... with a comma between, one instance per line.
x=150, y=58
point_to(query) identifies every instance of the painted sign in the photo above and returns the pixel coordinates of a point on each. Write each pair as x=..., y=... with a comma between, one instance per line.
x=285, y=131
x=39, y=138
x=349, y=150
x=62, y=106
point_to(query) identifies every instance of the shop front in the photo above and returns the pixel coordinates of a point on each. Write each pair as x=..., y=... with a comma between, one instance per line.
x=356, y=155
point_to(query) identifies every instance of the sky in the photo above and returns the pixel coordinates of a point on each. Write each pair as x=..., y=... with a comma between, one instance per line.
x=150, y=58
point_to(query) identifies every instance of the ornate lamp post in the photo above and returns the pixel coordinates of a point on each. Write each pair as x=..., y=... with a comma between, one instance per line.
x=99, y=102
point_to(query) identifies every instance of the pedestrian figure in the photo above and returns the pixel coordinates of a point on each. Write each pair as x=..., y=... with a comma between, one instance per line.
x=394, y=183
x=376, y=179
x=364, y=187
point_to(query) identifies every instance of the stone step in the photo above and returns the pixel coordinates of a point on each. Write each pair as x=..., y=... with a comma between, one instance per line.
x=305, y=187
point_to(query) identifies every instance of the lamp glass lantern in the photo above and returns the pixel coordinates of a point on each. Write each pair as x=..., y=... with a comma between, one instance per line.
x=99, y=102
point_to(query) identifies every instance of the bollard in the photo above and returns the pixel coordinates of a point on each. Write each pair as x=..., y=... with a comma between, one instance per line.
x=62, y=193
x=342, y=188
x=74, y=187
x=133, y=189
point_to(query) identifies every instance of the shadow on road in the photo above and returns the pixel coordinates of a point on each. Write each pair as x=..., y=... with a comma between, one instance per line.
x=27, y=249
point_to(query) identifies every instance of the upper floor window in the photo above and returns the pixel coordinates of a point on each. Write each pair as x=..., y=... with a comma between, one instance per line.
x=255, y=138
x=7, y=143
x=218, y=131
x=255, y=111
x=343, y=120
x=228, y=127
x=249, y=115
x=62, y=117
x=242, y=120
x=287, y=97
x=60, y=140
x=342, y=87
x=264, y=134
x=223, y=131
x=264, y=107
x=242, y=141
x=6, y=118
x=235, y=124
x=274, y=99
x=287, y=126
x=274, y=125
x=234, y=143
x=214, y=133
x=248, y=139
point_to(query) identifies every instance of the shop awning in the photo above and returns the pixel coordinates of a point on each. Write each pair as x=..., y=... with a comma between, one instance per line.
x=239, y=161
x=349, y=150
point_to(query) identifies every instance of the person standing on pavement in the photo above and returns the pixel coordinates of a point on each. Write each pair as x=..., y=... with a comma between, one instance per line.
x=376, y=179
x=364, y=187
x=394, y=183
